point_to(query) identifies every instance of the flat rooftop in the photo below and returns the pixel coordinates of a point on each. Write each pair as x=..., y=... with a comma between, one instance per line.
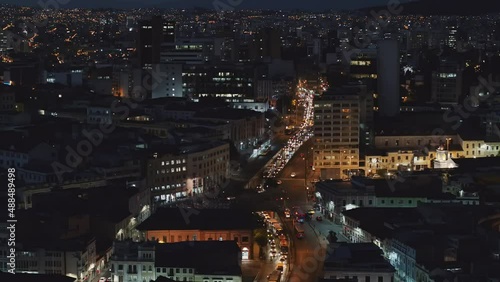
x=204, y=219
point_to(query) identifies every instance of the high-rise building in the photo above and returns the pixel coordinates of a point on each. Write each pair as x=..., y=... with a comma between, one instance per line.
x=338, y=120
x=388, y=77
x=447, y=82
x=267, y=45
x=153, y=34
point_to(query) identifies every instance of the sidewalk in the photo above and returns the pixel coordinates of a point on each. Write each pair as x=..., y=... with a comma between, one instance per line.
x=323, y=228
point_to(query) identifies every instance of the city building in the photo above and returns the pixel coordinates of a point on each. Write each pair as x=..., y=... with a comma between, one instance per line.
x=208, y=261
x=181, y=172
x=153, y=33
x=225, y=81
x=447, y=82
x=168, y=81
x=400, y=191
x=362, y=262
x=40, y=248
x=192, y=225
x=339, y=115
x=388, y=69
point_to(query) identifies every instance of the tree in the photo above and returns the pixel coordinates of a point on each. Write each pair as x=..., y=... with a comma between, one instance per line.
x=260, y=237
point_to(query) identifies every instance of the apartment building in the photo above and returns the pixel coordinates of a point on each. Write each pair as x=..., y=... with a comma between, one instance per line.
x=179, y=172
x=185, y=261
x=190, y=225
x=338, y=126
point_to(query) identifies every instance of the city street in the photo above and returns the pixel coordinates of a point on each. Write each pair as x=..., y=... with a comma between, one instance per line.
x=293, y=168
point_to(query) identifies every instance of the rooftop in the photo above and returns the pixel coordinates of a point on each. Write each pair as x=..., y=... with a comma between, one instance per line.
x=411, y=185
x=421, y=124
x=227, y=114
x=357, y=257
x=206, y=257
x=205, y=219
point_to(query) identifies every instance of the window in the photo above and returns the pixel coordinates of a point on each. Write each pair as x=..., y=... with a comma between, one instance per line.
x=120, y=267
x=236, y=238
x=367, y=278
x=380, y=279
x=244, y=239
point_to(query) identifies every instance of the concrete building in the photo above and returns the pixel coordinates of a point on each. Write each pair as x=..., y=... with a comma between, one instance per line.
x=7, y=102
x=362, y=262
x=153, y=33
x=99, y=115
x=181, y=172
x=184, y=261
x=45, y=253
x=168, y=81
x=222, y=81
x=337, y=129
x=388, y=67
x=251, y=104
x=447, y=82
x=247, y=127
x=400, y=147
x=72, y=78
x=336, y=196
x=126, y=81
x=191, y=225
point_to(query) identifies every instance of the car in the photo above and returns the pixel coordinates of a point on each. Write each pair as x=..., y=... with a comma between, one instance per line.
x=261, y=190
x=293, y=174
x=109, y=279
x=279, y=182
x=319, y=218
x=102, y=279
x=279, y=267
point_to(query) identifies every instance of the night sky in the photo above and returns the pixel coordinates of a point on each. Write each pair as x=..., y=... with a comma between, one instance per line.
x=251, y=4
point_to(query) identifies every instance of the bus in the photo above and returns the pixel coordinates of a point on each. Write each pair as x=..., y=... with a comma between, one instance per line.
x=275, y=276
x=299, y=231
x=299, y=215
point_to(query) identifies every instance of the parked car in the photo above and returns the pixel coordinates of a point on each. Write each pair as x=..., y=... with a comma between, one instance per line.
x=319, y=218
x=102, y=279
x=279, y=182
x=293, y=174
